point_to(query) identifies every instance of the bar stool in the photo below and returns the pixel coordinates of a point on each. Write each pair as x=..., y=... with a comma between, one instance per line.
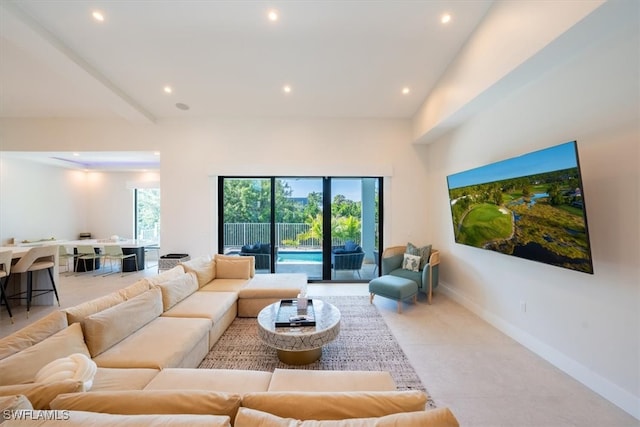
x=5, y=270
x=36, y=259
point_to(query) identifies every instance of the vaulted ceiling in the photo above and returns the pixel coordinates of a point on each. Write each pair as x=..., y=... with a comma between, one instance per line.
x=226, y=58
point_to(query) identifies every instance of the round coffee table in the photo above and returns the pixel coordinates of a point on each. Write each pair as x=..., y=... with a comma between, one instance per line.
x=299, y=345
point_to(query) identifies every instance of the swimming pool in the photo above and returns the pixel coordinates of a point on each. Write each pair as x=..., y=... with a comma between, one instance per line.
x=300, y=256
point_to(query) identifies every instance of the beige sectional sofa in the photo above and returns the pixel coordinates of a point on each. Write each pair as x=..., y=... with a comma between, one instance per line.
x=148, y=338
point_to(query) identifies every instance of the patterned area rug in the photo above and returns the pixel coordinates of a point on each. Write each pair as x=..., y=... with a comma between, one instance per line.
x=364, y=343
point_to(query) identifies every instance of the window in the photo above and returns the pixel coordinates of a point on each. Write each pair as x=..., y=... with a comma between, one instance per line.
x=147, y=214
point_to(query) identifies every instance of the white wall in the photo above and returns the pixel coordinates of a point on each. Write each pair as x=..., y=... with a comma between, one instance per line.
x=588, y=325
x=195, y=151
x=40, y=202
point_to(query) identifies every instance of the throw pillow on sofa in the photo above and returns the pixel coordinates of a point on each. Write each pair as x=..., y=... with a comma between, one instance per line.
x=22, y=367
x=108, y=327
x=76, y=367
x=172, y=273
x=228, y=267
x=33, y=333
x=78, y=312
x=175, y=290
x=203, y=267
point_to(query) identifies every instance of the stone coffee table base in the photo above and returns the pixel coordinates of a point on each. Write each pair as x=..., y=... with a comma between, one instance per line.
x=299, y=345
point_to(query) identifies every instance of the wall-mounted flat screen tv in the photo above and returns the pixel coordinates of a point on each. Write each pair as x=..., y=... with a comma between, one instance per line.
x=531, y=206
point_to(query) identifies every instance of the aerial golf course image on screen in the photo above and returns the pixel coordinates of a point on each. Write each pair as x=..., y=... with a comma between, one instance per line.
x=531, y=206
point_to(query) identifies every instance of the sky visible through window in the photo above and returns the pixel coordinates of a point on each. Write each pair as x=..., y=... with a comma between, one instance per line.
x=350, y=188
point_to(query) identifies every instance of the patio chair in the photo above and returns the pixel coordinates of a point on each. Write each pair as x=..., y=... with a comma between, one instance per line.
x=350, y=256
x=261, y=252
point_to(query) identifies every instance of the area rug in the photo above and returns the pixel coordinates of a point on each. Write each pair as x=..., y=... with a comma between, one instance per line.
x=365, y=343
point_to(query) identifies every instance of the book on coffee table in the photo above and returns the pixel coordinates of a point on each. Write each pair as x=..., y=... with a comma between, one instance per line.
x=289, y=315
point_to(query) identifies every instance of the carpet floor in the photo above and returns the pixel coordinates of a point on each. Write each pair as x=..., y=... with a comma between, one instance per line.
x=364, y=343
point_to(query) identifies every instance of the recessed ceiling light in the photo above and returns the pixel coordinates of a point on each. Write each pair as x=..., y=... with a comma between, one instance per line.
x=98, y=16
x=405, y=90
x=167, y=89
x=446, y=18
x=273, y=15
x=286, y=89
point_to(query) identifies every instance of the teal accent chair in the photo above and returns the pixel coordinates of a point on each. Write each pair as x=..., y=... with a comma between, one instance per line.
x=426, y=279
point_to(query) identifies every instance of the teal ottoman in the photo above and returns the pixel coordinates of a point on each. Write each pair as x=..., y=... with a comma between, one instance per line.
x=393, y=287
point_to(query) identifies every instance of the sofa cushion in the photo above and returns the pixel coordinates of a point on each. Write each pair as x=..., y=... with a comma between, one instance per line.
x=108, y=327
x=33, y=333
x=93, y=419
x=13, y=403
x=40, y=395
x=251, y=260
x=435, y=418
x=112, y=379
x=239, y=268
x=225, y=285
x=151, y=402
x=203, y=267
x=163, y=343
x=205, y=305
x=134, y=289
x=172, y=273
x=176, y=290
x=312, y=380
x=281, y=285
x=23, y=366
x=423, y=252
x=228, y=380
x=335, y=405
x=79, y=312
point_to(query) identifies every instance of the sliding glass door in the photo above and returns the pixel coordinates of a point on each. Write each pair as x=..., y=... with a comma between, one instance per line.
x=325, y=227
x=299, y=229
x=247, y=218
x=354, y=228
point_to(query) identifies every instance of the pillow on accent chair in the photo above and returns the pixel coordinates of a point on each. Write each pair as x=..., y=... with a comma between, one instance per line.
x=423, y=252
x=411, y=262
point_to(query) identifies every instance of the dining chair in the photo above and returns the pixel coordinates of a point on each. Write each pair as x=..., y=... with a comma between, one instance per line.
x=64, y=255
x=5, y=270
x=114, y=252
x=36, y=259
x=87, y=253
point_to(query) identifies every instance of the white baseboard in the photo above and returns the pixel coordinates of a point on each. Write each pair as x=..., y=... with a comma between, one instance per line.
x=613, y=393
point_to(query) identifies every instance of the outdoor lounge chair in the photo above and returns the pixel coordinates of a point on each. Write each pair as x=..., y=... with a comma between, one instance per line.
x=347, y=257
x=261, y=252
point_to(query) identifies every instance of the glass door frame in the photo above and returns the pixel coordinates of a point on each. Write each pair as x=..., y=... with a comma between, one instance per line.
x=327, y=200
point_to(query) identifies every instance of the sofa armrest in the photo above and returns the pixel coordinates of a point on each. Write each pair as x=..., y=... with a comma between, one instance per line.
x=392, y=258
